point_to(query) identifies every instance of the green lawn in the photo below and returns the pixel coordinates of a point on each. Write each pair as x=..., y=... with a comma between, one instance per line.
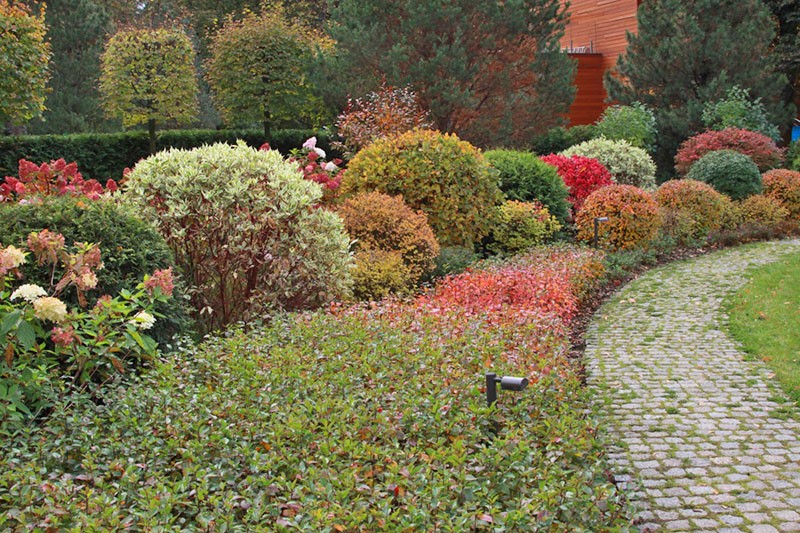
x=765, y=318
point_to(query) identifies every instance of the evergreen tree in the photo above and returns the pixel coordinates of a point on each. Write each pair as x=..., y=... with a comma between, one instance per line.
x=787, y=45
x=689, y=52
x=490, y=70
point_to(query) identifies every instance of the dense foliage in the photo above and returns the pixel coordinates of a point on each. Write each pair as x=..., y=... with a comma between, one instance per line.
x=382, y=226
x=738, y=110
x=693, y=209
x=242, y=225
x=492, y=72
x=582, y=176
x=763, y=209
x=446, y=178
x=633, y=217
x=784, y=186
x=729, y=172
x=559, y=138
x=521, y=225
x=24, y=54
x=760, y=148
x=525, y=178
x=634, y=123
x=627, y=164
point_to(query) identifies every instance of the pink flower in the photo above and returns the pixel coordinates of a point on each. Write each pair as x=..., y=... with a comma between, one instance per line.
x=63, y=336
x=163, y=279
x=310, y=144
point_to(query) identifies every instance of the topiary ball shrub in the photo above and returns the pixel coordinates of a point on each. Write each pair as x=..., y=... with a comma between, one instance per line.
x=729, y=172
x=764, y=210
x=244, y=229
x=524, y=177
x=446, y=178
x=382, y=225
x=627, y=164
x=581, y=175
x=695, y=207
x=634, y=123
x=633, y=218
x=521, y=225
x=761, y=149
x=129, y=247
x=784, y=186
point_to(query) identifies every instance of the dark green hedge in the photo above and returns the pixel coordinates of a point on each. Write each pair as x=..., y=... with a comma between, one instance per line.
x=105, y=155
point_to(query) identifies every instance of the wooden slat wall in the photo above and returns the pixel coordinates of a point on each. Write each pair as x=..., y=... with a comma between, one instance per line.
x=590, y=96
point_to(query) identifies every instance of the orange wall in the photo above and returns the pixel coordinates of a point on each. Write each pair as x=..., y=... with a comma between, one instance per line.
x=590, y=95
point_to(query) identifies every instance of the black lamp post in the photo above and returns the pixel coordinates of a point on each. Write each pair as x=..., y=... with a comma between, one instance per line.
x=506, y=383
x=597, y=222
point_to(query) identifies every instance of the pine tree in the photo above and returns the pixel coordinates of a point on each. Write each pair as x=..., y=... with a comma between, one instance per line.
x=689, y=52
x=787, y=45
x=490, y=70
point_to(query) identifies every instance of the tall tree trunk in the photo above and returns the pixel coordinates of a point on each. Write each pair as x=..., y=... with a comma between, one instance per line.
x=151, y=129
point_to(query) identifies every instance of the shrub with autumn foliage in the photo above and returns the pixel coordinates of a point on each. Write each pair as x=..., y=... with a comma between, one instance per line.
x=446, y=178
x=395, y=246
x=758, y=147
x=244, y=229
x=634, y=217
x=56, y=178
x=582, y=176
x=784, y=186
x=693, y=209
x=525, y=178
x=627, y=164
x=382, y=113
x=520, y=226
x=729, y=172
x=761, y=209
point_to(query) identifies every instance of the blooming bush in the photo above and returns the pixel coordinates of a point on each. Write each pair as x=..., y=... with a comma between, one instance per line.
x=244, y=229
x=311, y=160
x=634, y=123
x=627, y=164
x=525, y=178
x=760, y=148
x=729, y=172
x=761, y=209
x=582, y=176
x=386, y=112
x=47, y=347
x=521, y=225
x=56, y=178
x=391, y=239
x=784, y=186
x=633, y=217
x=693, y=209
x=438, y=174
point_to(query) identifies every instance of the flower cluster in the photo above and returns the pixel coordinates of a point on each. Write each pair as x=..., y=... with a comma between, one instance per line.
x=10, y=259
x=162, y=280
x=311, y=161
x=57, y=178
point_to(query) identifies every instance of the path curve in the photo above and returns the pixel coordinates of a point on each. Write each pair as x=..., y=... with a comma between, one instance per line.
x=701, y=447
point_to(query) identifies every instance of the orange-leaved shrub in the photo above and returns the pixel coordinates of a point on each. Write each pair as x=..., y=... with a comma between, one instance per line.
x=633, y=217
x=693, y=207
x=521, y=225
x=393, y=243
x=446, y=178
x=760, y=148
x=784, y=185
x=764, y=210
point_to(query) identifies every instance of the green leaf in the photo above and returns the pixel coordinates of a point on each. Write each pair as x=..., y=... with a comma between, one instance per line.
x=9, y=322
x=26, y=335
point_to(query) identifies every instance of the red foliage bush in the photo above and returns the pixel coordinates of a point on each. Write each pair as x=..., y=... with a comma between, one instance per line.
x=582, y=175
x=56, y=178
x=760, y=148
x=634, y=217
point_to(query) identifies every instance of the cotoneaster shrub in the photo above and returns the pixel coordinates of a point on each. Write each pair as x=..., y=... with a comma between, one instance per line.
x=633, y=217
x=524, y=178
x=760, y=148
x=446, y=178
x=243, y=227
x=694, y=207
x=784, y=185
x=729, y=172
x=764, y=210
x=521, y=225
x=627, y=164
x=388, y=236
x=582, y=176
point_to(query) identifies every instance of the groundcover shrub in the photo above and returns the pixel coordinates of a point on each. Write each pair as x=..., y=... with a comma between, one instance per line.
x=627, y=164
x=729, y=172
x=336, y=422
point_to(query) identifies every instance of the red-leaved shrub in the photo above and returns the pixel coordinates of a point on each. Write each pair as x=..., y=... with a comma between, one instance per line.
x=633, y=217
x=582, y=175
x=56, y=178
x=784, y=186
x=760, y=148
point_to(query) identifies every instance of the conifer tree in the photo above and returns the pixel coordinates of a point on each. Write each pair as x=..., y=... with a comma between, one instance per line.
x=689, y=52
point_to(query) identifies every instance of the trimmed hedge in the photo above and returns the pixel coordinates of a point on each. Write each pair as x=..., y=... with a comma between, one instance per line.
x=106, y=155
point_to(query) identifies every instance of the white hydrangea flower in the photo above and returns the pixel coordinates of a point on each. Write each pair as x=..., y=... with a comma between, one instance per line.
x=49, y=308
x=330, y=167
x=320, y=152
x=143, y=320
x=11, y=257
x=28, y=292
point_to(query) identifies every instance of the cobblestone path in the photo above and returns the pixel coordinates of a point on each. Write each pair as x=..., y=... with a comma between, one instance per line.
x=705, y=443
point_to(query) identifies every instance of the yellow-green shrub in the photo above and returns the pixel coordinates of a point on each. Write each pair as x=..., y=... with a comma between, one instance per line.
x=694, y=206
x=784, y=185
x=633, y=217
x=763, y=209
x=446, y=178
x=522, y=225
x=384, y=229
x=731, y=216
